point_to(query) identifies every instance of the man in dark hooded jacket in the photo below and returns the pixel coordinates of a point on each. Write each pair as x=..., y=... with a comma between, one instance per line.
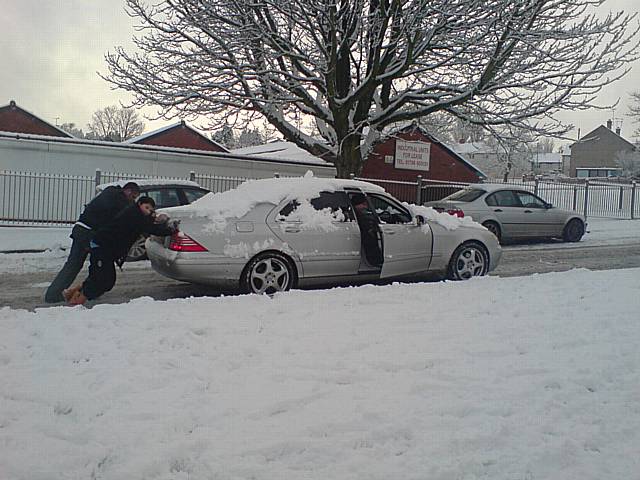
x=369, y=229
x=98, y=212
x=111, y=243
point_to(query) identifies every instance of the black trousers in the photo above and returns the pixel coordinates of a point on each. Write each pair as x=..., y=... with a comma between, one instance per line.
x=102, y=274
x=78, y=254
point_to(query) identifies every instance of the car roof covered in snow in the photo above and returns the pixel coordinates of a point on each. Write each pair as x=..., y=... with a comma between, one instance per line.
x=236, y=203
x=151, y=183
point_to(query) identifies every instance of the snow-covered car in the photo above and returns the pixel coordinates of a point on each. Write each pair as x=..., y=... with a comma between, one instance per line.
x=272, y=235
x=165, y=193
x=512, y=212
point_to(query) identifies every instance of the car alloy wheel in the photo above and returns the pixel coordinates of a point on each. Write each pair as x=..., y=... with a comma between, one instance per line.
x=269, y=273
x=573, y=231
x=138, y=250
x=468, y=261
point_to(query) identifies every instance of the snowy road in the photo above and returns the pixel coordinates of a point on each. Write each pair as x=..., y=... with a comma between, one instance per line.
x=26, y=290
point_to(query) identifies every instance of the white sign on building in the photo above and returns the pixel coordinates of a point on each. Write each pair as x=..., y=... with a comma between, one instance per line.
x=412, y=155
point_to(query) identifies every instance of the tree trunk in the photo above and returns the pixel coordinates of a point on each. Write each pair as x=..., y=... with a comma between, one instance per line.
x=348, y=160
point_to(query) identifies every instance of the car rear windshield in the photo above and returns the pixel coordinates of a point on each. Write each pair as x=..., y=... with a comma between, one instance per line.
x=466, y=195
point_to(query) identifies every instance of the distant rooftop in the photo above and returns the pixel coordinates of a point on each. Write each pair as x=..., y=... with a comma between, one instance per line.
x=280, y=149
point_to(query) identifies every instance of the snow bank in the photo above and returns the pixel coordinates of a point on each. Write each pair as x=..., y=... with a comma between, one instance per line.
x=34, y=238
x=219, y=207
x=522, y=378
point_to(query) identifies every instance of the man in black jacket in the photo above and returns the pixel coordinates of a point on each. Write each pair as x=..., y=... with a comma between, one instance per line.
x=111, y=243
x=98, y=212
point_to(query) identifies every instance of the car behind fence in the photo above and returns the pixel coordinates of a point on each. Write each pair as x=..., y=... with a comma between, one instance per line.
x=55, y=199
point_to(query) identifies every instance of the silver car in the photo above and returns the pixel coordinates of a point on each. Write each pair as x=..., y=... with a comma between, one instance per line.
x=511, y=212
x=282, y=242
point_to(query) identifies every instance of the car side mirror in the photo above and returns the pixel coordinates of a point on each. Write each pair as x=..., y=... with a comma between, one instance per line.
x=548, y=206
x=420, y=220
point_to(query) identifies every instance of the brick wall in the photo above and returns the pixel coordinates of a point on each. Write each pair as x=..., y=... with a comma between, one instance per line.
x=442, y=166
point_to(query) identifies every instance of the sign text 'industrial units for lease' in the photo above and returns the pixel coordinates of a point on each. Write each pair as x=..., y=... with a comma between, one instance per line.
x=412, y=155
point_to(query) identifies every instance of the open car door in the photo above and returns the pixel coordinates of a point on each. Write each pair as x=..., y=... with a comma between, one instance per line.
x=407, y=245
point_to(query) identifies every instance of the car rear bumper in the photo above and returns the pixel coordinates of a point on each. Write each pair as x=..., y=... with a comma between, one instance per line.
x=198, y=267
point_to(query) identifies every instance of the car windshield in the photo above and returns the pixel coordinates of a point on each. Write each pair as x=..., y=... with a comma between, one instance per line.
x=465, y=195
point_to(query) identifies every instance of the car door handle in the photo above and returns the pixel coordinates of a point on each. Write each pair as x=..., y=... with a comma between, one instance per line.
x=292, y=229
x=388, y=231
x=528, y=211
x=498, y=210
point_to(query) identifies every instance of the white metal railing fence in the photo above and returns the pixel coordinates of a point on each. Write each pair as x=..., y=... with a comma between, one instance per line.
x=28, y=198
x=41, y=198
x=589, y=197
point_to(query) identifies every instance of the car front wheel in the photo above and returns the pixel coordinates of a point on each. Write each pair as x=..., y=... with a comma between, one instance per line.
x=269, y=272
x=573, y=231
x=469, y=260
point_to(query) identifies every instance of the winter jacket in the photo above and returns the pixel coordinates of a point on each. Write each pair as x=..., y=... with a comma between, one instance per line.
x=117, y=237
x=104, y=208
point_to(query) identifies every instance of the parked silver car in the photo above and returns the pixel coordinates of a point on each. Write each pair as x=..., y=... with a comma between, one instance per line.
x=264, y=243
x=512, y=212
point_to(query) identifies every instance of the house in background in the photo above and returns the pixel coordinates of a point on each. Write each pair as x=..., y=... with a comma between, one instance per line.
x=595, y=154
x=178, y=135
x=280, y=149
x=17, y=120
x=30, y=144
x=548, y=162
x=408, y=152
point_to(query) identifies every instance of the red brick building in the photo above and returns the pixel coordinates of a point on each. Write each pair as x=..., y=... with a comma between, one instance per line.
x=178, y=135
x=410, y=152
x=17, y=120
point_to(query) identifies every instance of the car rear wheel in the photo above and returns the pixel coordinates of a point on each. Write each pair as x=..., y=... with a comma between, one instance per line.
x=573, y=231
x=138, y=250
x=494, y=228
x=269, y=272
x=469, y=260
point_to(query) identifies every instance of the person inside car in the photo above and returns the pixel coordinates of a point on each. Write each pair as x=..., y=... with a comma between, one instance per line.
x=111, y=243
x=369, y=230
x=97, y=213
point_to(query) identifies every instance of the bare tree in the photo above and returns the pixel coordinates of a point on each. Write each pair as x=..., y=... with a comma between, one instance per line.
x=115, y=124
x=630, y=164
x=544, y=145
x=634, y=111
x=358, y=67
x=72, y=129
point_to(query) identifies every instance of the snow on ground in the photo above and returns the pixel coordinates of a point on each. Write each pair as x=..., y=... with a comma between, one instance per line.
x=522, y=378
x=34, y=238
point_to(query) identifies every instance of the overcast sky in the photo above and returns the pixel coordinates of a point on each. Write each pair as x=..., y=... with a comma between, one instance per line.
x=52, y=49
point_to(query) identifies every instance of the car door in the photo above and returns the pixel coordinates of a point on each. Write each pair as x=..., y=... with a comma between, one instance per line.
x=507, y=209
x=537, y=219
x=327, y=249
x=406, y=245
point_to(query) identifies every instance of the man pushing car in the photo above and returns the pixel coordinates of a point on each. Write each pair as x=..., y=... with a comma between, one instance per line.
x=111, y=244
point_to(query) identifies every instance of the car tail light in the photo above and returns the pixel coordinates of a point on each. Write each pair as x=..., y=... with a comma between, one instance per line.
x=181, y=242
x=456, y=212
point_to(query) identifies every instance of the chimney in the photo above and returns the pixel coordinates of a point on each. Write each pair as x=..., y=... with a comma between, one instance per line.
x=609, y=124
